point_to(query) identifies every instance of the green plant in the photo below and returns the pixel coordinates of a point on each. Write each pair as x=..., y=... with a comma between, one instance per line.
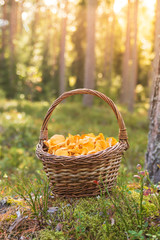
x=155, y=188
x=35, y=192
x=136, y=235
x=141, y=176
x=126, y=205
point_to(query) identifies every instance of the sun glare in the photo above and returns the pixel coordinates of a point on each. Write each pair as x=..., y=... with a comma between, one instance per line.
x=149, y=4
x=53, y=2
x=50, y=2
x=119, y=4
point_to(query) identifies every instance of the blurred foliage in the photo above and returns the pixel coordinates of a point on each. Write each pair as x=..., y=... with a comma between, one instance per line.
x=29, y=57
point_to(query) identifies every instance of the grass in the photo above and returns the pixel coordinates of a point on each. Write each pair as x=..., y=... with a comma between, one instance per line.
x=125, y=214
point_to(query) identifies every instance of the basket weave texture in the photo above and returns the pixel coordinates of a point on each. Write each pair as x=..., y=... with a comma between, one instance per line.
x=82, y=176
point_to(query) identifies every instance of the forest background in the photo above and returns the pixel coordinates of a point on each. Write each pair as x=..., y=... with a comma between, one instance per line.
x=48, y=47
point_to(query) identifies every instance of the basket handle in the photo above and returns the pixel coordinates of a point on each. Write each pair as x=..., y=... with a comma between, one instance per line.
x=122, y=128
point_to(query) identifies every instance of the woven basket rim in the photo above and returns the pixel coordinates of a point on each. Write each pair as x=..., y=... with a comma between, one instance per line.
x=118, y=146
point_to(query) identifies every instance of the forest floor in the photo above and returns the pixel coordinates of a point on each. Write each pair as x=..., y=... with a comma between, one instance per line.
x=28, y=209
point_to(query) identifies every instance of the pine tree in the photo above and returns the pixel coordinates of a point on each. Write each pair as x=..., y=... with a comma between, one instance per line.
x=89, y=75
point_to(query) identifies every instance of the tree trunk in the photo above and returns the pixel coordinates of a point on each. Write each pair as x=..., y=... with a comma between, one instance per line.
x=125, y=70
x=3, y=32
x=106, y=50
x=156, y=44
x=152, y=162
x=129, y=75
x=133, y=73
x=109, y=48
x=62, y=50
x=89, y=78
x=12, y=33
x=78, y=39
x=153, y=151
x=19, y=16
x=34, y=32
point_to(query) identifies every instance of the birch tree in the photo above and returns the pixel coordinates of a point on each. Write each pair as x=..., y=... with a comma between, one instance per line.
x=153, y=152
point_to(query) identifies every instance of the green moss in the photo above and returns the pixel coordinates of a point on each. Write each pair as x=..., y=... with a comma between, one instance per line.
x=11, y=217
x=50, y=235
x=150, y=204
x=94, y=219
x=149, y=209
x=18, y=202
x=153, y=233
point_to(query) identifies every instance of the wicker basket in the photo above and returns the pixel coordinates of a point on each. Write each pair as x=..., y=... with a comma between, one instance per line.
x=78, y=176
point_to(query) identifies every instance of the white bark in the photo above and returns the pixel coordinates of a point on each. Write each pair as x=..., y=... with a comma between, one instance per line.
x=153, y=151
